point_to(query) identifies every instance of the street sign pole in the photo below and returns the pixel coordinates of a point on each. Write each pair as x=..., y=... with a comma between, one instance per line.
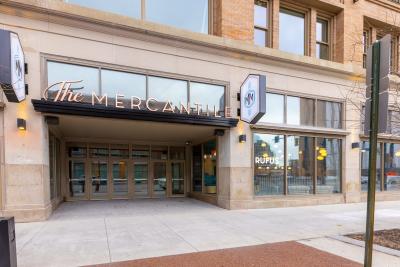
x=373, y=144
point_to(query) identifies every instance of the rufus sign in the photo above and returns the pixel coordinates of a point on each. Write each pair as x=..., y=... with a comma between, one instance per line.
x=253, y=98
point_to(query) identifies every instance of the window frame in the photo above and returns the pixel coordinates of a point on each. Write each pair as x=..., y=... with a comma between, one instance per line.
x=328, y=36
x=267, y=30
x=314, y=137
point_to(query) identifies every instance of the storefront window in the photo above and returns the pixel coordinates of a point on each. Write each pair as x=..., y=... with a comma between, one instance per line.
x=122, y=83
x=329, y=114
x=275, y=109
x=300, y=164
x=130, y=8
x=140, y=152
x=291, y=31
x=98, y=151
x=177, y=153
x=211, y=97
x=59, y=72
x=159, y=153
x=365, y=164
x=328, y=153
x=119, y=151
x=189, y=15
x=268, y=164
x=165, y=89
x=197, y=169
x=392, y=167
x=300, y=111
x=210, y=166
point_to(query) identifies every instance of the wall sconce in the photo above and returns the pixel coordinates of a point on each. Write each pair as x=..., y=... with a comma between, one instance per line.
x=355, y=145
x=242, y=138
x=21, y=124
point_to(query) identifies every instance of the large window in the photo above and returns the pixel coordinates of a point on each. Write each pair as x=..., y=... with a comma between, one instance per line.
x=204, y=168
x=208, y=98
x=261, y=23
x=302, y=111
x=189, y=15
x=322, y=38
x=268, y=164
x=312, y=164
x=388, y=154
x=292, y=31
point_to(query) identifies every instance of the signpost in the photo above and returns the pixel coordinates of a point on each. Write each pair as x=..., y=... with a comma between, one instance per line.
x=376, y=111
x=253, y=98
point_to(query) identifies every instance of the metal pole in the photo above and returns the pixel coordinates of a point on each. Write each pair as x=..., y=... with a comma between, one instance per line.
x=373, y=143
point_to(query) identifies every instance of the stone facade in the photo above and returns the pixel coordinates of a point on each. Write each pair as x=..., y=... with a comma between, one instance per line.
x=51, y=29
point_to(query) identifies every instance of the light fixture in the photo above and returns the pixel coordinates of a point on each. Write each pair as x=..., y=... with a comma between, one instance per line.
x=21, y=124
x=263, y=144
x=188, y=143
x=242, y=138
x=397, y=154
x=355, y=145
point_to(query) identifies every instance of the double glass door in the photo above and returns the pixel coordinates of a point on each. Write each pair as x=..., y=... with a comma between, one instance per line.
x=106, y=177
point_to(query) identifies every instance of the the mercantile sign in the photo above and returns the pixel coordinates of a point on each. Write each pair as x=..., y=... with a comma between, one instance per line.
x=69, y=91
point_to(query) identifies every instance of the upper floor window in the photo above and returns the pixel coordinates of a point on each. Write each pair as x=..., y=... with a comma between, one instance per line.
x=322, y=38
x=301, y=111
x=366, y=40
x=261, y=23
x=292, y=31
x=189, y=15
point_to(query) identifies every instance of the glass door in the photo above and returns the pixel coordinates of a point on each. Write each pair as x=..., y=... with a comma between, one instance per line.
x=99, y=179
x=77, y=183
x=141, y=179
x=159, y=179
x=119, y=177
x=177, y=178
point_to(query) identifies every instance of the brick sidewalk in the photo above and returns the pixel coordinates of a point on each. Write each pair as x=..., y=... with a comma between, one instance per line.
x=284, y=254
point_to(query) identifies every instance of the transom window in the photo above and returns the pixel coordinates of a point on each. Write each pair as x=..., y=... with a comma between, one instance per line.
x=301, y=111
x=189, y=15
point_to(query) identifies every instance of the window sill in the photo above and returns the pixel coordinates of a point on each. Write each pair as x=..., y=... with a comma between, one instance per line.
x=299, y=129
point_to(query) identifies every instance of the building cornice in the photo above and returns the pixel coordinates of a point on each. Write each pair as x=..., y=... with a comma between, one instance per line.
x=56, y=11
x=386, y=4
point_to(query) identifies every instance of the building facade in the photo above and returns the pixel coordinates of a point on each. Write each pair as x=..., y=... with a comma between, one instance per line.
x=139, y=99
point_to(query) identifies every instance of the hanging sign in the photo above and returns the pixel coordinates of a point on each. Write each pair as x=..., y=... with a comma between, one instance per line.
x=12, y=66
x=253, y=98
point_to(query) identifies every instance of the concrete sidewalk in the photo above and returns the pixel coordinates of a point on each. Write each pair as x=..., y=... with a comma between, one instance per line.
x=84, y=233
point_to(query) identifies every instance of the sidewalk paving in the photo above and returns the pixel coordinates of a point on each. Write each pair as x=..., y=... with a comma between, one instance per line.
x=87, y=233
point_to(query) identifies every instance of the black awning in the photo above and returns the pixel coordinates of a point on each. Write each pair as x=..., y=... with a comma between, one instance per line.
x=101, y=111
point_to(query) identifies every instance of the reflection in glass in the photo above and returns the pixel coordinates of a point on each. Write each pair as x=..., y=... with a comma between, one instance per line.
x=197, y=161
x=268, y=164
x=130, y=8
x=178, y=181
x=329, y=114
x=210, y=166
x=76, y=178
x=165, y=89
x=275, y=109
x=141, y=176
x=99, y=173
x=291, y=32
x=77, y=152
x=392, y=167
x=177, y=153
x=159, y=179
x=260, y=14
x=98, y=152
x=300, y=164
x=58, y=72
x=365, y=164
x=159, y=153
x=123, y=83
x=120, y=178
x=189, y=15
x=260, y=37
x=300, y=111
x=328, y=153
x=322, y=39
x=119, y=152
x=211, y=97
x=140, y=152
